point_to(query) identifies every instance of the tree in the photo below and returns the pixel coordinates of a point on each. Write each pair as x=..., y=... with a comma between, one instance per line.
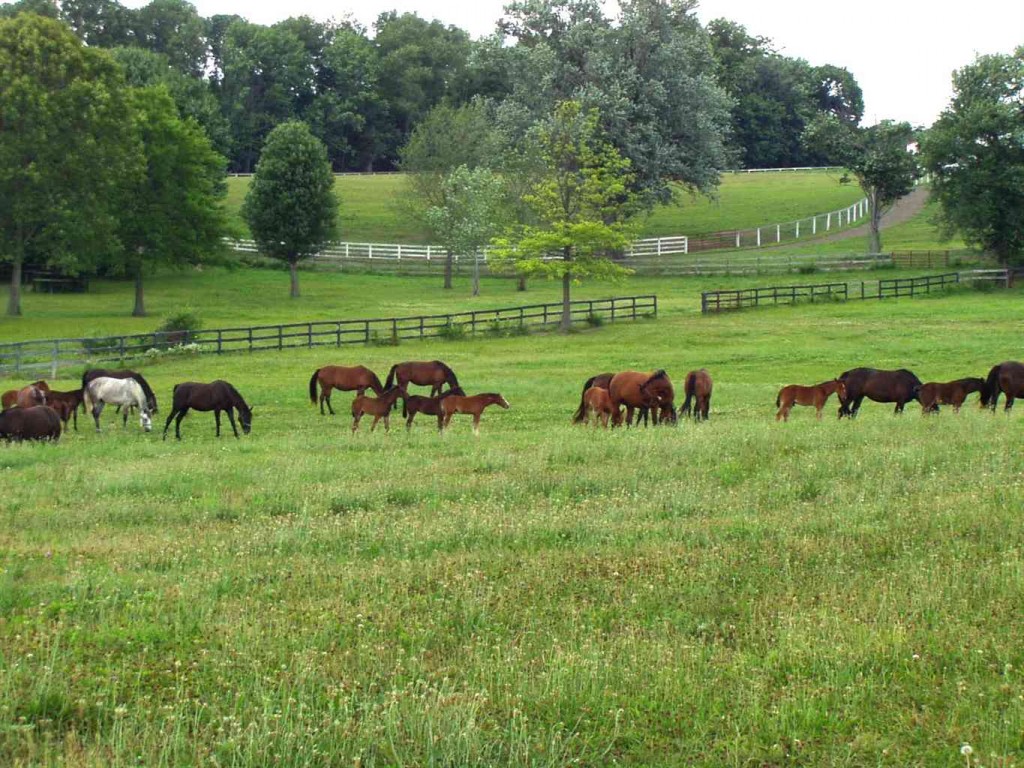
x=582, y=201
x=974, y=154
x=290, y=206
x=878, y=156
x=170, y=213
x=65, y=141
x=175, y=29
x=470, y=214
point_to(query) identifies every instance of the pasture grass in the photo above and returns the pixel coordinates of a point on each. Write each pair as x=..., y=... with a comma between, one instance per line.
x=739, y=592
x=370, y=208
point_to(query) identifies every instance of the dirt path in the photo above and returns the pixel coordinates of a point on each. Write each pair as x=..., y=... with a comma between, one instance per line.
x=905, y=209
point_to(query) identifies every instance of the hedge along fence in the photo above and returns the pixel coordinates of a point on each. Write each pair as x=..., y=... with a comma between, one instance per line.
x=50, y=355
x=744, y=298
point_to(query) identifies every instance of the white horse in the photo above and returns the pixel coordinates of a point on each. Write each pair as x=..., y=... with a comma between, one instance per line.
x=123, y=392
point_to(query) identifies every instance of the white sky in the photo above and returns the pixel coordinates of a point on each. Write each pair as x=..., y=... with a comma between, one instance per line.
x=902, y=52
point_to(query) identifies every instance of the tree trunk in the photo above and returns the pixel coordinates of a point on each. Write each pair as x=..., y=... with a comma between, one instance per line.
x=566, y=323
x=140, y=299
x=293, y=268
x=448, y=268
x=14, y=300
x=521, y=285
x=875, y=237
x=476, y=274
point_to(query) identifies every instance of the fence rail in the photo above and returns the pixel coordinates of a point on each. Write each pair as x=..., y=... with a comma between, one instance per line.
x=49, y=355
x=887, y=288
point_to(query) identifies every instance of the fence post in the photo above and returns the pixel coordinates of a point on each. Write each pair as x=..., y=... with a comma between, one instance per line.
x=250, y=339
x=121, y=347
x=797, y=236
x=309, y=335
x=366, y=331
x=737, y=239
x=337, y=334
x=778, y=233
x=758, y=237
x=220, y=341
x=828, y=221
x=394, y=328
x=421, y=319
x=521, y=316
x=56, y=359
x=814, y=225
x=280, y=337
x=545, y=315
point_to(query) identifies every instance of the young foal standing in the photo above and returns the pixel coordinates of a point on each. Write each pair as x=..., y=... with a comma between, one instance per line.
x=431, y=406
x=952, y=393
x=378, y=407
x=818, y=395
x=474, y=405
x=597, y=402
x=697, y=388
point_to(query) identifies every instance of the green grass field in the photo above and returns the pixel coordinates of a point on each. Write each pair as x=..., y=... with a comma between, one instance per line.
x=736, y=593
x=370, y=208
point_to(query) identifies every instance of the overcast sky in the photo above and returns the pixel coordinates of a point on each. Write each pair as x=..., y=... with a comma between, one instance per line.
x=902, y=52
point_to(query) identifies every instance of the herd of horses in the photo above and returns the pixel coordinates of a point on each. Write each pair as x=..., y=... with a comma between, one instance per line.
x=36, y=412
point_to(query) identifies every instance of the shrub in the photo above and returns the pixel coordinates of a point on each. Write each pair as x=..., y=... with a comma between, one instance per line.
x=807, y=269
x=595, y=321
x=452, y=332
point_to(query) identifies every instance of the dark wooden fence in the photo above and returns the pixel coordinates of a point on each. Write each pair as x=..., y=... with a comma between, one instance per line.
x=49, y=355
x=718, y=301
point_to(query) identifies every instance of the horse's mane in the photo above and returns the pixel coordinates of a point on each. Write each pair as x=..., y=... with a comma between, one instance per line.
x=658, y=374
x=449, y=373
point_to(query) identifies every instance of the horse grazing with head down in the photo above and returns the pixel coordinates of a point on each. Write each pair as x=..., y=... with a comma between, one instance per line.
x=697, y=388
x=473, y=405
x=430, y=406
x=95, y=373
x=433, y=374
x=899, y=386
x=359, y=377
x=934, y=393
x=35, y=422
x=124, y=392
x=66, y=405
x=217, y=396
x=602, y=380
x=1005, y=378
x=28, y=396
x=817, y=395
x=378, y=407
x=635, y=389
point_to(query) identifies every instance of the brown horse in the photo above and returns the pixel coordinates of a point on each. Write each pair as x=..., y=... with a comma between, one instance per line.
x=635, y=389
x=66, y=405
x=431, y=406
x=900, y=387
x=26, y=397
x=474, y=404
x=359, y=377
x=697, y=388
x=35, y=422
x=818, y=395
x=602, y=380
x=433, y=374
x=378, y=407
x=1006, y=377
x=598, y=403
x=952, y=393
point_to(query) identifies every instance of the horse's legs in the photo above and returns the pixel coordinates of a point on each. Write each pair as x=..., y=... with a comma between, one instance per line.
x=97, y=409
x=373, y=426
x=167, y=424
x=124, y=417
x=231, y=418
x=604, y=419
x=177, y=423
x=1009, y=402
x=355, y=420
x=216, y=418
x=440, y=421
x=387, y=420
x=629, y=415
x=476, y=423
x=410, y=417
x=448, y=418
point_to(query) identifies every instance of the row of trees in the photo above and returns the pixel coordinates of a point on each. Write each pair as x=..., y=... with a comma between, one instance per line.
x=656, y=76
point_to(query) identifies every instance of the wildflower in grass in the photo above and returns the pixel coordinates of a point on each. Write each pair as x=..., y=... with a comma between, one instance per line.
x=966, y=750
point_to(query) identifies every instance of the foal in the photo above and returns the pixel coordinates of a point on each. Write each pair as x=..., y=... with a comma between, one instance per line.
x=378, y=407
x=817, y=396
x=474, y=405
x=597, y=402
x=431, y=406
x=952, y=393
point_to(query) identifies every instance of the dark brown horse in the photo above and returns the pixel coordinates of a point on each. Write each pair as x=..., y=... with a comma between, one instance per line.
x=433, y=374
x=697, y=388
x=474, y=405
x=934, y=393
x=26, y=397
x=430, y=406
x=37, y=422
x=378, y=407
x=797, y=394
x=217, y=396
x=359, y=377
x=899, y=386
x=634, y=389
x=602, y=380
x=66, y=405
x=95, y=373
x=1006, y=378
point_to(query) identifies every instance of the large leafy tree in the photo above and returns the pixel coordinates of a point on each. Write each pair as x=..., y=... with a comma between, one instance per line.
x=171, y=213
x=290, y=206
x=879, y=156
x=582, y=201
x=175, y=29
x=975, y=155
x=65, y=142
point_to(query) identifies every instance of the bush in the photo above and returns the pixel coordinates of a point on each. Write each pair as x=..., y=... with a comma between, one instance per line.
x=186, y=320
x=452, y=332
x=594, y=321
x=807, y=269
x=384, y=339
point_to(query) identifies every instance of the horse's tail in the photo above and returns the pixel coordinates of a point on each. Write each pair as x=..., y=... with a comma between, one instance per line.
x=581, y=412
x=689, y=387
x=990, y=392
x=86, y=399
x=449, y=374
x=391, y=376
x=778, y=399
x=312, y=386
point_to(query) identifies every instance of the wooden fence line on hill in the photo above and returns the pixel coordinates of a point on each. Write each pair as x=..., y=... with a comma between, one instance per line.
x=49, y=355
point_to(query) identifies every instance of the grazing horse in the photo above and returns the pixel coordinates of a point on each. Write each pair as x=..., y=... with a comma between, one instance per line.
x=818, y=395
x=216, y=396
x=474, y=404
x=123, y=392
x=378, y=407
x=433, y=374
x=1006, y=377
x=359, y=377
x=951, y=393
x=635, y=389
x=36, y=422
x=95, y=373
x=66, y=405
x=900, y=387
x=26, y=397
x=431, y=406
x=602, y=380
x=598, y=402
x=697, y=388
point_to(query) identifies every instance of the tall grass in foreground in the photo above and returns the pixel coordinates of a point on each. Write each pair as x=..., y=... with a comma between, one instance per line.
x=739, y=592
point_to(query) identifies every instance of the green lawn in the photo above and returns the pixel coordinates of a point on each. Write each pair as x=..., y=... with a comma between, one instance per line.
x=740, y=592
x=370, y=209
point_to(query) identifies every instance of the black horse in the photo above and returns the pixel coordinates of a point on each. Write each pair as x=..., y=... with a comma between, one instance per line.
x=1006, y=377
x=38, y=422
x=95, y=373
x=898, y=387
x=216, y=396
